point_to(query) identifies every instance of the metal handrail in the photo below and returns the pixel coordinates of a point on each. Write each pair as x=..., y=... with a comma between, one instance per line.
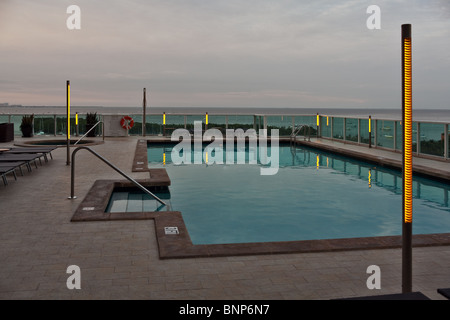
x=72, y=177
x=87, y=132
x=297, y=131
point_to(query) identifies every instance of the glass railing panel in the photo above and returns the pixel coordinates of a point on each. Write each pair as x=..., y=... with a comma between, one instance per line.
x=351, y=129
x=137, y=127
x=364, y=131
x=17, y=120
x=325, y=126
x=385, y=134
x=432, y=137
x=448, y=141
x=243, y=122
x=153, y=124
x=4, y=118
x=310, y=121
x=282, y=123
x=217, y=122
x=44, y=125
x=338, y=128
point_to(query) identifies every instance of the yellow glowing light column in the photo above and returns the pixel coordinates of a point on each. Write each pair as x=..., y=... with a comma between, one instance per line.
x=68, y=121
x=164, y=124
x=318, y=124
x=206, y=121
x=407, y=160
x=68, y=110
x=76, y=124
x=370, y=131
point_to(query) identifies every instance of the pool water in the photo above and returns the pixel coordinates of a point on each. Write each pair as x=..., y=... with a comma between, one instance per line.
x=134, y=200
x=314, y=195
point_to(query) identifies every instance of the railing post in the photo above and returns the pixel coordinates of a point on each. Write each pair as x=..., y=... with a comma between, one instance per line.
x=344, y=134
x=446, y=138
x=331, y=128
x=395, y=135
x=375, y=140
x=359, y=130
x=418, y=148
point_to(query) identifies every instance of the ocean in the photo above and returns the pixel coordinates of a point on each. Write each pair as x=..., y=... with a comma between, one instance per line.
x=432, y=115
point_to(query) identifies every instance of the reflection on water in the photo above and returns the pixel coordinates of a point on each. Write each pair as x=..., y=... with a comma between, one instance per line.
x=426, y=189
x=296, y=157
x=314, y=195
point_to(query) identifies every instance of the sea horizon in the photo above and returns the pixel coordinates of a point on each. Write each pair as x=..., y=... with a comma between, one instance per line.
x=434, y=115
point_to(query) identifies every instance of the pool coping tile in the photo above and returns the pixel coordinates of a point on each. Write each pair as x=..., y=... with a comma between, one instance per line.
x=180, y=245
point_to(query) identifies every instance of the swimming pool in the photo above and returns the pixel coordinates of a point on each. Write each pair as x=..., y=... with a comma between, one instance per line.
x=315, y=195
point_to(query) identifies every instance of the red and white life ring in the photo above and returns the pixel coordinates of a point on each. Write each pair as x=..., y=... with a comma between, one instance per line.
x=127, y=122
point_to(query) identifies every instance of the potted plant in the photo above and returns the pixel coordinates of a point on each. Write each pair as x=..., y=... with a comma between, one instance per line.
x=27, y=126
x=91, y=121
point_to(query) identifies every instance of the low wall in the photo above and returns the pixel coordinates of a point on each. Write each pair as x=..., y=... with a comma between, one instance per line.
x=113, y=127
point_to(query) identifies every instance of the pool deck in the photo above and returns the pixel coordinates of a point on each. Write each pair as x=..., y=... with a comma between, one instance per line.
x=119, y=259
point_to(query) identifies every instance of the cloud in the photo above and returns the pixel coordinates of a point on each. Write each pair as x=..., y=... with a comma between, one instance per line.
x=195, y=52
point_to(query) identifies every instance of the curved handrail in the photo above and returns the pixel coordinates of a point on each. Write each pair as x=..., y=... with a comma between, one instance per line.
x=87, y=133
x=297, y=131
x=72, y=175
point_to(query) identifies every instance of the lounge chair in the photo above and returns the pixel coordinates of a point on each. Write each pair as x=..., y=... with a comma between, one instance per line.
x=5, y=157
x=4, y=170
x=34, y=150
x=17, y=164
x=445, y=292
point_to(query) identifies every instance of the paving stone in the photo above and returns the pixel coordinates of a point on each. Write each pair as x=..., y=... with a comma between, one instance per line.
x=120, y=259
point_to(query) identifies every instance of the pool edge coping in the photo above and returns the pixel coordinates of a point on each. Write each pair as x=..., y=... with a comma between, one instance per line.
x=175, y=246
x=180, y=245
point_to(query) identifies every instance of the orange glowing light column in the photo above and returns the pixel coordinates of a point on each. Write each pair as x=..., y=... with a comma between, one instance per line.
x=407, y=159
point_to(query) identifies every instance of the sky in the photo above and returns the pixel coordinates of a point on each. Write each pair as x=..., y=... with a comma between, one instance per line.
x=223, y=53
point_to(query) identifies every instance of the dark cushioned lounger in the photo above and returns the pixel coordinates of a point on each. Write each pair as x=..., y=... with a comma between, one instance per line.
x=16, y=164
x=33, y=150
x=5, y=170
x=4, y=157
x=445, y=292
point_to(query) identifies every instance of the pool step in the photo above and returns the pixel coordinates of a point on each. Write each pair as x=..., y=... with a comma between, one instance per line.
x=124, y=201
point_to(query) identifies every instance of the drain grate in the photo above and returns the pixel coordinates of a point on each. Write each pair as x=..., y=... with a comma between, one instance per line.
x=171, y=230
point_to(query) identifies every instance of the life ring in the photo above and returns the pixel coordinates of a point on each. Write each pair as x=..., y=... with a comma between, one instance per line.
x=127, y=122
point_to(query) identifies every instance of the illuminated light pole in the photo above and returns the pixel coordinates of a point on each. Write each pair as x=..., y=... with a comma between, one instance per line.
x=164, y=124
x=144, y=111
x=318, y=124
x=407, y=160
x=68, y=121
x=370, y=131
x=76, y=124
